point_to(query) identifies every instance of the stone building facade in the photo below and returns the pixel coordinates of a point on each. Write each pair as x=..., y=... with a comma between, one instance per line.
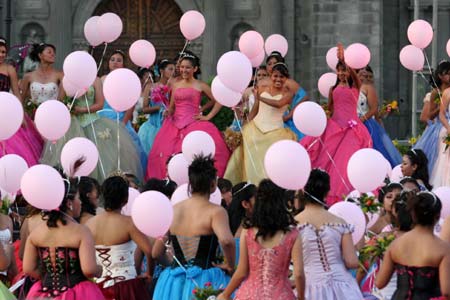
x=311, y=27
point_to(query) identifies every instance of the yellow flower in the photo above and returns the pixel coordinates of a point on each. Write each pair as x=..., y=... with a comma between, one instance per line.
x=395, y=142
x=412, y=140
x=394, y=104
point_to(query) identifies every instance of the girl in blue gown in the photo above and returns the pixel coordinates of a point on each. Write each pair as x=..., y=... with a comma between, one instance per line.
x=288, y=120
x=198, y=228
x=367, y=109
x=429, y=141
x=116, y=61
x=156, y=100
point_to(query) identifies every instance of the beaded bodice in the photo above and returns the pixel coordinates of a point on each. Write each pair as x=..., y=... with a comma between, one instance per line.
x=5, y=83
x=414, y=283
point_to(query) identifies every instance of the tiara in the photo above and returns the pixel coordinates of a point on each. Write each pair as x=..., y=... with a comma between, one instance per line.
x=2, y=41
x=280, y=63
x=164, y=60
x=184, y=55
x=243, y=188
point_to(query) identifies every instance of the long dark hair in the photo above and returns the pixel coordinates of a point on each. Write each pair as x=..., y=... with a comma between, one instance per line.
x=442, y=68
x=38, y=49
x=236, y=212
x=417, y=157
x=350, y=81
x=270, y=213
x=86, y=186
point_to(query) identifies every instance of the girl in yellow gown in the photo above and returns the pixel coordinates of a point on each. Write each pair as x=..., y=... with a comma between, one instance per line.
x=265, y=128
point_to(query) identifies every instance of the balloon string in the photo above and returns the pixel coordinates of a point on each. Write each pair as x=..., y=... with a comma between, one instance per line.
x=101, y=59
x=334, y=164
x=92, y=51
x=95, y=137
x=118, y=140
x=149, y=77
x=4, y=147
x=431, y=74
x=242, y=143
x=182, y=51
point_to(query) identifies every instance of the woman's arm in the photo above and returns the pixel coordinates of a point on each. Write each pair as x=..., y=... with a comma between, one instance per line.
x=143, y=242
x=255, y=107
x=287, y=99
x=433, y=109
x=221, y=228
x=299, y=274
x=30, y=260
x=372, y=101
x=14, y=82
x=217, y=106
x=349, y=252
x=291, y=112
x=330, y=101
x=445, y=232
x=386, y=270
x=443, y=109
x=242, y=269
x=444, y=276
x=146, y=108
x=159, y=252
x=99, y=100
x=25, y=85
x=128, y=115
x=86, y=251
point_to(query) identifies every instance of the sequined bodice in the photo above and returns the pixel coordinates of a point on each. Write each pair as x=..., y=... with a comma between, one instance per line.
x=270, y=118
x=62, y=274
x=322, y=255
x=87, y=99
x=41, y=92
x=269, y=268
x=5, y=83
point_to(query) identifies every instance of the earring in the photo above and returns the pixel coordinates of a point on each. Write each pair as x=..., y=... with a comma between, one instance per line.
x=70, y=207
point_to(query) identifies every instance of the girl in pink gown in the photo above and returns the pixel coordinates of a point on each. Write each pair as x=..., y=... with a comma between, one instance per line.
x=183, y=117
x=26, y=142
x=344, y=135
x=267, y=245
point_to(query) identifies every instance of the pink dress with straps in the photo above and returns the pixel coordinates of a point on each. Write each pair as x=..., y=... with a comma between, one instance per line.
x=269, y=269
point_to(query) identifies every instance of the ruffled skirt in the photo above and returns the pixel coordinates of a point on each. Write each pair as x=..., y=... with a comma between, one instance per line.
x=429, y=143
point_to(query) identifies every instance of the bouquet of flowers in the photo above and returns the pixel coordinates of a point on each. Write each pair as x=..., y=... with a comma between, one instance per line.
x=30, y=108
x=141, y=119
x=389, y=107
x=374, y=249
x=4, y=208
x=368, y=203
x=233, y=139
x=160, y=94
x=447, y=141
x=206, y=293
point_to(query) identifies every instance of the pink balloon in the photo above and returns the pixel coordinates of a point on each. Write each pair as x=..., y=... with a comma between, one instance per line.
x=52, y=119
x=122, y=89
x=443, y=193
x=332, y=58
x=448, y=47
x=357, y=56
x=180, y=194
x=71, y=89
x=420, y=33
x=216, y=197
x=142, y=53
x=251, y=43
x=310, y=118
x=91, y=32
x=224, y=95
x=192, y=24
x=178, y=169
x=234, y=70
x=366, y=170
x=78, y=148
x=326, y=82
x=152, y=213
x=196, y=143
x=132, y=195
x=396, y=174
x=355, y=194
x=80, y=68
x=276, y=42
x=412, y=58
x=42, y=187
x=287, y=155
x=11, y=115
x=258, y=59
x=12, y=168
x=109, y=27
x=352, y=214
x=388, y=168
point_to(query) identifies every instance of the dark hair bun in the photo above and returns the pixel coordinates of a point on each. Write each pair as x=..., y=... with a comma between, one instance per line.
x=425, y=208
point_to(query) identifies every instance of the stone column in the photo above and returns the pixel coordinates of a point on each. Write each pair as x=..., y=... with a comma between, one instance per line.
x=60, y=29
